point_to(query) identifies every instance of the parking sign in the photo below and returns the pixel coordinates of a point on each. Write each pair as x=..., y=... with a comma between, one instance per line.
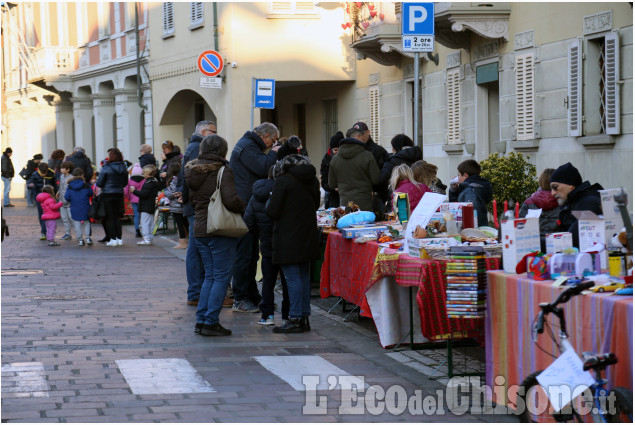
x=417, y=27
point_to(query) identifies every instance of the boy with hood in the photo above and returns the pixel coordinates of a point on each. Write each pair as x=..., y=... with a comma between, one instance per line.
x=78, y=194
x=40, y=178
x=472, y=188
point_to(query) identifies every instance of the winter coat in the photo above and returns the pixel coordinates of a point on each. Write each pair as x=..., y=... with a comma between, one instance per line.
x=478, y=191
x=256, y=217
x=7, y=167
x=249, y=163
x=113, y=177
x=63, y=187
x=543, y=199
x=415, y=192
x=50, y=208
x=294, y=200
x=173, y=157
x=80, y=160
x=408, y=156
x=40, y=181
x=582, y=198
x=137, y=182
x=148, y=195
x=332, y=197
x=353, y=172
x=191, y=153
x=381, y=156
x=201, y=175
x=78, y=193
x=147, y=159
x=175, y=205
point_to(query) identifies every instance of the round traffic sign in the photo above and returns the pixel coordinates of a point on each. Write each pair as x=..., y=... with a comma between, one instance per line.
x=210, y=63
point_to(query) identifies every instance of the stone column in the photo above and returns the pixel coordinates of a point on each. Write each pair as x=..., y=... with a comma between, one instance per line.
x=128, y=123
x=83, y=114
x=103, y=111
x=64, y=125
x=147, y=100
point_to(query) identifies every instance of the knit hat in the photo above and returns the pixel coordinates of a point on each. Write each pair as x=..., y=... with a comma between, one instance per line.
x=292, y=147
x=8, y=150
x=336, y=139
x=567, y=174
x=136, y=170
x=361, y=126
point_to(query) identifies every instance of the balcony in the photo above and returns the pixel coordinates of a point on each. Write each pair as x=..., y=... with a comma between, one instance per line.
x=52, y=62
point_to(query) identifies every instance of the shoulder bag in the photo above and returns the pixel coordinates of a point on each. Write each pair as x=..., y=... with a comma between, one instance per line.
x=97, y=209
x=221, y=221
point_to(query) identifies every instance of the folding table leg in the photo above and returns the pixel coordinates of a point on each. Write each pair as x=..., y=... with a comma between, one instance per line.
x=336, y=304
x=351, y=312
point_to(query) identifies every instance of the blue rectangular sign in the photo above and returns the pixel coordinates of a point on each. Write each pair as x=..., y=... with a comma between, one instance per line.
x=417, y=18
x=264, y=94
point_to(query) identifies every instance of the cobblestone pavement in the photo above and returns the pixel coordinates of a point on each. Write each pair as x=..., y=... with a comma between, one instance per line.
x=103, y=334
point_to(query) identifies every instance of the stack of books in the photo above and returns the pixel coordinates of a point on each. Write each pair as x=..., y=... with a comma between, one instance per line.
x=466, y=277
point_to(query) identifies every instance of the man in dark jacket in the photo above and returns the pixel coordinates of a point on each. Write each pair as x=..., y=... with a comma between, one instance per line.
x=331, y=197
x=250, y=161
x=31, y=167
x=81, y=161
x=193, y=263
x=472, y=188
x=574, y=195
x=353, y=172
x=381, y=156
x=7, y=174
x=404, y=152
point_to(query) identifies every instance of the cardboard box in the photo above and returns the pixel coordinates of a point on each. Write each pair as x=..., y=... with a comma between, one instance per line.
x=609, y=207
x=355, y=232
x=594, y=229
x=519, y=237
x=558, y=242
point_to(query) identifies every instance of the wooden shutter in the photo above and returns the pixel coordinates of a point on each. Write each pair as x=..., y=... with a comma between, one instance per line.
x=525, y=97
x=611, y=77
x=574, y=115
x=168, y=18
x=196, y=12
x=453, y=85
x=374, y=124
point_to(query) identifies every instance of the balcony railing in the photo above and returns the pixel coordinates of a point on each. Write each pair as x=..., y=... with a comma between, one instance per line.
x=52, y=61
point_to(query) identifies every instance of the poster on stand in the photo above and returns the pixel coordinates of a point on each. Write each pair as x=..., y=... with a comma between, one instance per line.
x=422, y=214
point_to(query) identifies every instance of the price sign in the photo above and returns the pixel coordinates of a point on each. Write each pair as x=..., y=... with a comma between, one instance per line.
x=417, y=43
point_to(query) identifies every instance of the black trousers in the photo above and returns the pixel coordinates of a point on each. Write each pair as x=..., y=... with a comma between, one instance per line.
x=269, y=277
x=180, y=224
x=113, y=202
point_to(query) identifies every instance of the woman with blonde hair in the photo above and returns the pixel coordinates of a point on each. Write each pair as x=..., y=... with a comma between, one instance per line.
x=402, y=181
x=426, y=173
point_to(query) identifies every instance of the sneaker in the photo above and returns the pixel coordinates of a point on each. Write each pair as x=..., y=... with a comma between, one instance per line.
x=215, y=330
x=53, y=243
x=89, y=241
x=81, y=242
x=42, y=237
x=268, y=321
x=112, y=242
x=66, y=237
x=119, y=242
x=144, y=243
x=245, y=307
x=228, y=303
x=291, y=326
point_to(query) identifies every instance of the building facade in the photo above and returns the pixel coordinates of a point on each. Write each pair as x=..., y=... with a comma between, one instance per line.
x=551, y=80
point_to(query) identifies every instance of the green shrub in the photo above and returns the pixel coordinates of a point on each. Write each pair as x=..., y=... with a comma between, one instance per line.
x=512, y=176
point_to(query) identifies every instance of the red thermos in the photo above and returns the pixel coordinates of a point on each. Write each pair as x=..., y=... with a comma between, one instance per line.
x=468, y=216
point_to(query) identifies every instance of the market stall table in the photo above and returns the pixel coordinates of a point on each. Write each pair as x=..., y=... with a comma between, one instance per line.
x=596, y=322
x=355, y=272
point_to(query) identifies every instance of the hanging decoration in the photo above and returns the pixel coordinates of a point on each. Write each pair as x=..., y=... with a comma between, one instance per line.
x=361, y=15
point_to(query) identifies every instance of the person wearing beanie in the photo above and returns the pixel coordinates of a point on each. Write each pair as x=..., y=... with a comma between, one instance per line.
x=7, y=174
x=573, y=194
x=293, y=146
x=331, y=196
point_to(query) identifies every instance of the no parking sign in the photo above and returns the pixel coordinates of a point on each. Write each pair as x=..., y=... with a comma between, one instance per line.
x=210, y=63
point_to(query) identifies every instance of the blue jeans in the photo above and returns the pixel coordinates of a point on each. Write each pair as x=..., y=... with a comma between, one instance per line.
x=7, y=188
x=299, y=284
x=193, y=266
x=30, y=195
x=135, y=216
x=218, y=255
x=244, y=271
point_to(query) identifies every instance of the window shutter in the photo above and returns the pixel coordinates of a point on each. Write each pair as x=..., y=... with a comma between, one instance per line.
x=525, y=97
x=574, y=115
x=196, y=12
x=280, y=6
x=304, y=6
x=168, y=18
x=374, y=124
x=453, y=85
x=611, y=77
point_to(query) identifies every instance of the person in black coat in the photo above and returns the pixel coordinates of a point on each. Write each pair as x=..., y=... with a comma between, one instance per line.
x=574, y=195
x=381, y=156
x=257, y=219
x=146, y=157
x=404, y=152
x=81, y=161
x=331, y=196
x=112, y=180
x=7, y=174
x=294, y=200
x=30, y=168
x=43, y=176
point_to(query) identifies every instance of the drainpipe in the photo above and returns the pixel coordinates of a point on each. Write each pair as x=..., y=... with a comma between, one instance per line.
x=139, y=93
x=215, y=26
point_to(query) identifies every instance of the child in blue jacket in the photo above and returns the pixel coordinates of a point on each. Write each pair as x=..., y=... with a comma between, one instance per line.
x=78, y=193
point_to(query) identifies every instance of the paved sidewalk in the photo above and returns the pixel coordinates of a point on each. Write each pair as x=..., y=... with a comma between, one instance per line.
x=103, y=334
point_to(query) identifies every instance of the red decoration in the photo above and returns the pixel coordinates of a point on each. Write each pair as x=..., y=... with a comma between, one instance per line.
x=516, y=210
x=365, y=24
x=358, y=3
x=495, y=213
x=344, y=26
x=505, y=207
x=373, y=14
x=381, y=16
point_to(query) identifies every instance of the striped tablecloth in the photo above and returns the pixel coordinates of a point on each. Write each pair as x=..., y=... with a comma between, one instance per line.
x=595, y=322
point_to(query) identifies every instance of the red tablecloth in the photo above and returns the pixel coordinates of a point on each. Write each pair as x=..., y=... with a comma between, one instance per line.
x=349, y=269
x=595, y=322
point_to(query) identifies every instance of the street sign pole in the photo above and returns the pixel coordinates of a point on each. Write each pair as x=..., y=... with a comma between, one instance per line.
x=416, y=100
x=253, y=102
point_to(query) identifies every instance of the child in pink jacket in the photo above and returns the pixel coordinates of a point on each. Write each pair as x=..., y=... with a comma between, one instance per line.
x=50, y=212
x=136, y=180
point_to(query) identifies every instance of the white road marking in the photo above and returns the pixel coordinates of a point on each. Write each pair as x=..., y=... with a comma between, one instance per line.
x=163, y=376
x=24, y=380
x=292, y=368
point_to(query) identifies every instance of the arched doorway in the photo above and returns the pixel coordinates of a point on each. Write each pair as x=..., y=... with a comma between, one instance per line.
x=180, y=116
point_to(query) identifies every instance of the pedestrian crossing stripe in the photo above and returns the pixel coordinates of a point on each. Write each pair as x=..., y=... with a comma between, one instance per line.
x=162, y=376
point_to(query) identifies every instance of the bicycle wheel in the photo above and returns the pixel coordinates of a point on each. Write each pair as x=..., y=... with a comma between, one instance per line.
x=623, y=409
x=533, y=404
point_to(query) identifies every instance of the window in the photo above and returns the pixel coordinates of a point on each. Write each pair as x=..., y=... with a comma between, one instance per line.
x=168, y=18
x=82, y=25
x=196, y=13
x=454, y=106
x=130, y=10
x=374, y=122
x=292, y=8
x=330, y=120
x=103, y=18
x=525, y=97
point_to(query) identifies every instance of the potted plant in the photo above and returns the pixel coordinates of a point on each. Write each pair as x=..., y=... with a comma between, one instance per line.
x=512, y=176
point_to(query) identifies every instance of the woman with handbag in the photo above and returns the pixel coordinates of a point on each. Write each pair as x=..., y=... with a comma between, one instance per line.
x=112, y=180
x=210, y=185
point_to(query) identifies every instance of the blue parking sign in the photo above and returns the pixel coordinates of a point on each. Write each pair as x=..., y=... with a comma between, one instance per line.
x=417, y=18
